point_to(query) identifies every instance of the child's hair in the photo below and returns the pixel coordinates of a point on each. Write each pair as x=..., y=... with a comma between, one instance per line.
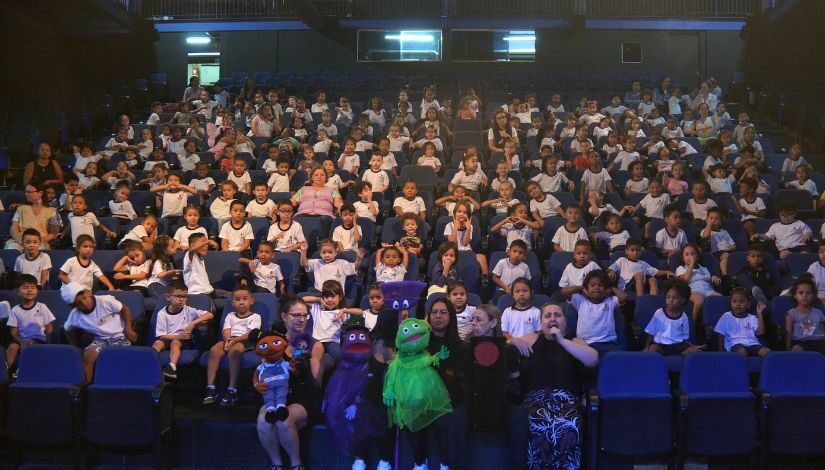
x=132, y=245
x=79, y=197
x=192, y=207
x=786, y=207
x=445, y=247
x=194, y=237
x=236, y=202
x=267, y=243
x=670, y=209
x=81, y=239
x=455, y=284
x=742, y=292
x=160, y=246
x=332, y=287
x=409, y=181
x=515, y=207
x=259, y=184
x=610, y=216
x=390, y=249
x=241, y=287
x=680, y=286
x=519, y=244
x=715, y=210
x=803, y=280
x=30, y=232
x=374, y=287
x=525, y=281
x=327, y=241
x=230, y=183
x=460, y=204
x=597, y=274
x=408, y=216
x=573, y=205
x=359, y=186
x=347, y=208
x=25, y=279
x=70, y=177
x=634, y=165
x=633, y=242
x=580, y=243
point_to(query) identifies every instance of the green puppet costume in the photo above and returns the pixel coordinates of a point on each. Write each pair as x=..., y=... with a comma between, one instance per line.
x=414, y=393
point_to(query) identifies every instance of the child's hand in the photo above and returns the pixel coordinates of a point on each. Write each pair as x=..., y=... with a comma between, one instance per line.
x=760, y=308
x=227, y=344
x=131, y=335
x=715, y=280
x=611, y=275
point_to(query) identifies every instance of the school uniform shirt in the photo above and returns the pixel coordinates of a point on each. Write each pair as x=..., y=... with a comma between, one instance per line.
x=700, y=210
x=103, y=322
x=236, y=235
x=790, y=166
x=346, y=237
x=338, y=270
x=738, y=330
x=787, y=236
x=664, y=241
x=35, y=267
x=501, y=208
x=362, y=209
x=123, y=210
x=82, y=225
x=626, y=269
x=31, y=322
x=567, y=239
x=239, y=326
x=87, y=181
x=613, y=240
x=573, y=276
x=816, y=269
x=637, y=187
x=121, y=147
x=495, y=184
x=378, y=179
x=720, y=240
x=194, y=274
x=509, y=272
x=174, y=203
x=414, y=206
x=433, y=162
x=144, y=267
x=81, y=161
x=666, y=330
x=700, y=279
x=77, y=272
x=388, y=162
x=137, y=233
x=334, y=182
x=624, y=159
x=809, y=186
x=199, y=184
x=756, y=205
x=220, y=208
x=278, y=182
x=596, y=181
x=240, y=180
x=397, y=143
x=668, y=133
x=511, y=233
x=470, y=181
x=351, y=162
x=291, y=235
x=384, y=273
x=595, y=323
x=518, y=322
x=270, y=166
x=450, y=228
x=331, y=129
x=260, y=209
x=173, y=324
x=325, y=328
x=319, y=107
x=655, y=206
x=720, y=185
x=176, y=147
x=188, y=162
x=547, y=207
x=182, y=234
x=267, y=276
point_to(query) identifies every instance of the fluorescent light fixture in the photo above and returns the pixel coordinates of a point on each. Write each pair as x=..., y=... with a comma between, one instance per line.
x=409, y=37
x=519, y=38
x=204, y=54
x=198, y=40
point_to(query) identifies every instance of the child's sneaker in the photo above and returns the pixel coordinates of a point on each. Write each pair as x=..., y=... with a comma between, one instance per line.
x=170, y=371
x=230, y=398
x=211, y=395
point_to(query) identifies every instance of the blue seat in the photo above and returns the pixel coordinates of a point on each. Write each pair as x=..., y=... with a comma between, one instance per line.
x=290, y=264
x=128, y=405
x=9, y=257
x=47, y=390
x=798, y=263
x=392, y=231
x=367, y=228
x=716, y=306
x=792, y=386
x=643, y=311
x=555, y=267
x=716, y=407
x=424, y=176
x=314, y=228
x=632, y=392
x=249, y=359
x=800, y=198
x=532, y=261
x=260, y=227
x=131, y=299
x=106, y=260
x=506, y=300
x=59, y=257
x=221, y=267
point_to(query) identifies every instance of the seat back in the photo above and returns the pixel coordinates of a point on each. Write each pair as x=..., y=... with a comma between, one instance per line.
x=128, y=366
x=52, y=363
x=221, y=267
x=625, y=374
x=714, y=372
x=133, y=300
x=798, y=373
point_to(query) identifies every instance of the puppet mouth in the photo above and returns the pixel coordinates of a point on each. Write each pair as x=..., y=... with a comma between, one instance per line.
x=413, y=338
x=358, y=348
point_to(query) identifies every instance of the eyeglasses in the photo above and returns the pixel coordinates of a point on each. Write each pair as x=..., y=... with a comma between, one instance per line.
x=298, y=316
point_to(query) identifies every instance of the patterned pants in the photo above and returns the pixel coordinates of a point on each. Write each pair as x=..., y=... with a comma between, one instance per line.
x=555, y=430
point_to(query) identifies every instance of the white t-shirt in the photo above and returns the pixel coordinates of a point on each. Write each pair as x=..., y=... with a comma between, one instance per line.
x=738, y=330
x=384, y=273
x=362, y=209
x=787, y=236
x=257, y=209
x=103, y=322
x=31, y=322
x=201, y=184
x=596, y=323
x=397, y=143
x=721, y=241
x=809, y=186
x=278, y=182
x=173, y=324
x=268, y=275
x=520, y=322
x=637, y=187
x=346, y=237
x=351, y=162
x=81, y=161
x=596, y=181
x=389, y=162
x=432, y=161
x=624, y=159
x=495, y=184
x=509, y=272
x=291, y=235
x=220, y=208
x=416, y=206
x=194, y=274
x=551, y=184
x=236, y=236
x=241, y=181
x=665, y=242
x=626, y=269
x=123, y=210
x=700, y=211
x=35, y=267
x=378, y=179
x=238, y=326
x=338, y=270
x=174, y=203
x=655, y=206
x=325, y=328
x=137, y=233
x=512, y=233
x=613, y=240
x=471, y=181
x=666, y=330
x=755, y=206
x=182, y=234
x=188, y=162
x=817, y=270
x=573, y=276
x=547, y=207
x=567, y=239
x=85, y=275
x=82, y=225
x=449, y=229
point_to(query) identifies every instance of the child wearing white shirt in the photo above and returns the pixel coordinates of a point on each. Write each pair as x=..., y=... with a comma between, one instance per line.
x=789, y=235
x=596, y=302
x=522, y=318
x=236, y=234
x=347, y=235
x=511, y=268
x=328, y=267
x=265, y=271
x=262, y=205
x=669, y=329
x=631, y=273
x=738, y=329
x=572, y=278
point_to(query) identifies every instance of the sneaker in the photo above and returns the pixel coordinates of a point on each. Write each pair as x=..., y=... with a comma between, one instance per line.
x=383, y=465
x=359, y=464
x=211, y=396
x=230, y=398
x=170, y=372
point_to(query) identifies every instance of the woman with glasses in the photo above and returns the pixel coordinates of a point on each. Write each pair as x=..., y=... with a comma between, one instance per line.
x=500, y=132
x=44, y=170
x=317, y=198
x=34, y=214
x=304, y=398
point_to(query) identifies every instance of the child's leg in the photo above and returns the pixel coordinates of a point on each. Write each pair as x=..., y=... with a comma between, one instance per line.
x=653, y=283
x=647, y=231
x=215, y=355
x=158, y=345
x=234, y=361
x=784, y=254
x=639, y=281
x=89, y=359
x=11, y=354
x=698, y=301
x=763, y=352
x=739, y=349
x=723, y=263
x=482, y=262
x=749, y=227
x=174, y=351
x=655, y=348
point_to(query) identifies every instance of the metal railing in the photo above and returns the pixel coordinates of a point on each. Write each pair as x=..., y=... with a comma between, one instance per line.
x=510, y=8
x=671, y=8
x=216, y=9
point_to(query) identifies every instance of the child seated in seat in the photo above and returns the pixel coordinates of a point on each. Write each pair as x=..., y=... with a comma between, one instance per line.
x=625, y=157
x=88, y=179
x=261, y=205
x=175, y=196
x=131, y=272
x=328, y=314
x=458, y=195
x=595, y=177
x=699, y=204
x=542, y=205
x=701, y=281
x=349, y=160
x=631, y=273
x=102, y=316
x=285, y=233
x=613, y=235
x=265, y=271
x=347, y=235
x=717, y=240
x=234, y=333
x=572, y=278
x=145, y=232
x=240, y=176
x=550, y=179
x=460, y=232
x=522, y=317
x=668, y=332
x=30, y=322
x=391, y=263
x=511, y=268
x=738, y=329
x=219, y=208
x=328, y=267
x=516, y=226
x=375, y=175
x=803, y=180
x=429, y=158
x=750, y=205
x=365, y=206
x=33, y=262
x=81, y=269
x=804, y=324
x=671, y=238
x=472, y=177
x=638, y=183
x=596, y=301
x=236, y=234
x=502, y=204
x=654, y=205
x=789, y=235
x=568, y=234
x=410, y=201
x=82, y=222
x=194, y=267
x=120, y=206
x=174, y=326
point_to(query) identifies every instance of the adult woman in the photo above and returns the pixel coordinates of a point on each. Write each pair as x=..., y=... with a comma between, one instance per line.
x=317, y=199
x=193, y=91
x=662, y=93
x=44, y=170
x=499, y=132
x=486, y=321
x=304, y=399
x=248, y=89
x=263, y=124
x=704, y=96
x=704, y=126
x=34, y=215
x=553, y=390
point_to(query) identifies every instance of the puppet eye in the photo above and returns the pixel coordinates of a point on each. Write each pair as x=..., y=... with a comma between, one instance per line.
x=362, y=337
x=415, y=325
x=263, y=346
x=276, y=343
x=406, y=305
x=352, y=337
x=406, y=330
x=395, y=305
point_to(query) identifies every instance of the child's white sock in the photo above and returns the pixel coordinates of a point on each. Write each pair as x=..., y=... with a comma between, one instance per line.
x=173, y=366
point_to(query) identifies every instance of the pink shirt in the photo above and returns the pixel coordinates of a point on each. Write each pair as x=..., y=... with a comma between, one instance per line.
x=316, y=201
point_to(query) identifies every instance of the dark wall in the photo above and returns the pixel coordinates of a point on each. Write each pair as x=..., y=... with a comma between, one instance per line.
x=685, y=55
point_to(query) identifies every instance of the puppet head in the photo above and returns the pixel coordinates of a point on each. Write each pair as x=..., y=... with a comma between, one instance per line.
x=301, y=345
x=413, y=335
x=270, y=345
x=403, y=295
x=356, y=344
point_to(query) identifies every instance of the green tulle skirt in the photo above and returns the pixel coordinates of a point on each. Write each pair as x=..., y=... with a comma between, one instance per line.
x=420, y=394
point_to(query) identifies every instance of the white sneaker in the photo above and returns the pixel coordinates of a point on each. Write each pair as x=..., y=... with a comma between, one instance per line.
x=444, y=467
x=420, y=467
x=359, y=464
x=383, y=465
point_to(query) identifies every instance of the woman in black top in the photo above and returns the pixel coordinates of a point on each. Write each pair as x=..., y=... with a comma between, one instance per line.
x=44, y=170
x=554, y=389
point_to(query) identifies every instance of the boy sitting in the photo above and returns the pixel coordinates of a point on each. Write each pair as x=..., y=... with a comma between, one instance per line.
x=174, y=326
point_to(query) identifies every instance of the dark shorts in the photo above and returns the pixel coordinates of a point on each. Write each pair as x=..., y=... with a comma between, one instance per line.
x=811, y=345
x=167, y=343
x=799, y=249
x=751, y=350
x=718, y=254
x=673, y=349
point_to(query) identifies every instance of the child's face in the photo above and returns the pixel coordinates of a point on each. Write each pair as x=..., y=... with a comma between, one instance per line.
x=239, y=167
x=551, y=165
x=375, y=162
x=459, y=193
x=506, y=191
x=242, y=301
x=137, y=256
x=349, y=147
x=637, y=171
x=390, y=258
x=582, y=255
x=285, y=212
x=804, y=295
x=265, y=254
x=410, y=189
x=756, y=258
x=228, y=191
x=571, y=215
x=592, y=158
x=348, y=218
x=229, y=153
x=410, y=227
x=655, y=188
x=719, y=173
x=471, y=164
x=430, y=133
x=739, y=304
x=85, y=301
x=449, y=256
x=78, y=205
x=309, y=154
x=192, y=217
x=159, y=155
x=283, y=168
x=329, y=167
x=237, y=213
x=614, y=225
x=91, y=169
x=31, y=244
x=516, y=254
x=673, y=219
x=677, y=171
x=394, y=131
x=715, y=220
x=633, y=252
x=802, y=174
x=176, y=298
x=458, y=296
x=260, y=193
x=328, y=253
x=326, y=118
x=787, y=217
x=534, y=191
x=376, y=298
x=150, y=225
x=699, y=192
x=673, y=301
x=85, y=249
x=146, y=134
x=521, y=293
x=365, y=193
x=536, y=123
x=690, y=256
x=330, y=301
x=122, y=194
x=176, y=133
x=202, y=171
x=596, y=289
x=27, y=292
x=71, y=186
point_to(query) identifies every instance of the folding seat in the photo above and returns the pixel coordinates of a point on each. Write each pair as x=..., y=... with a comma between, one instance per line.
x=106, y=260
x=424, y=176
x=708, y=260
x=532, y=261
x=314, y=228
x=462, y=140
x=222, y=268
x=739, y=259
x=715, y=306
x=59, y=257
x=554, y=267
x=775, y=163
x=48, y=391
x=468, y=125
x=187, y=356
x=290, y=265
x=716, y=406
x=260, y=228
x=632, y=393
x=131, y=299
x=129, y=405
x=643, y=311
x=9, y=257
x=792, y=391
x=249, y=359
